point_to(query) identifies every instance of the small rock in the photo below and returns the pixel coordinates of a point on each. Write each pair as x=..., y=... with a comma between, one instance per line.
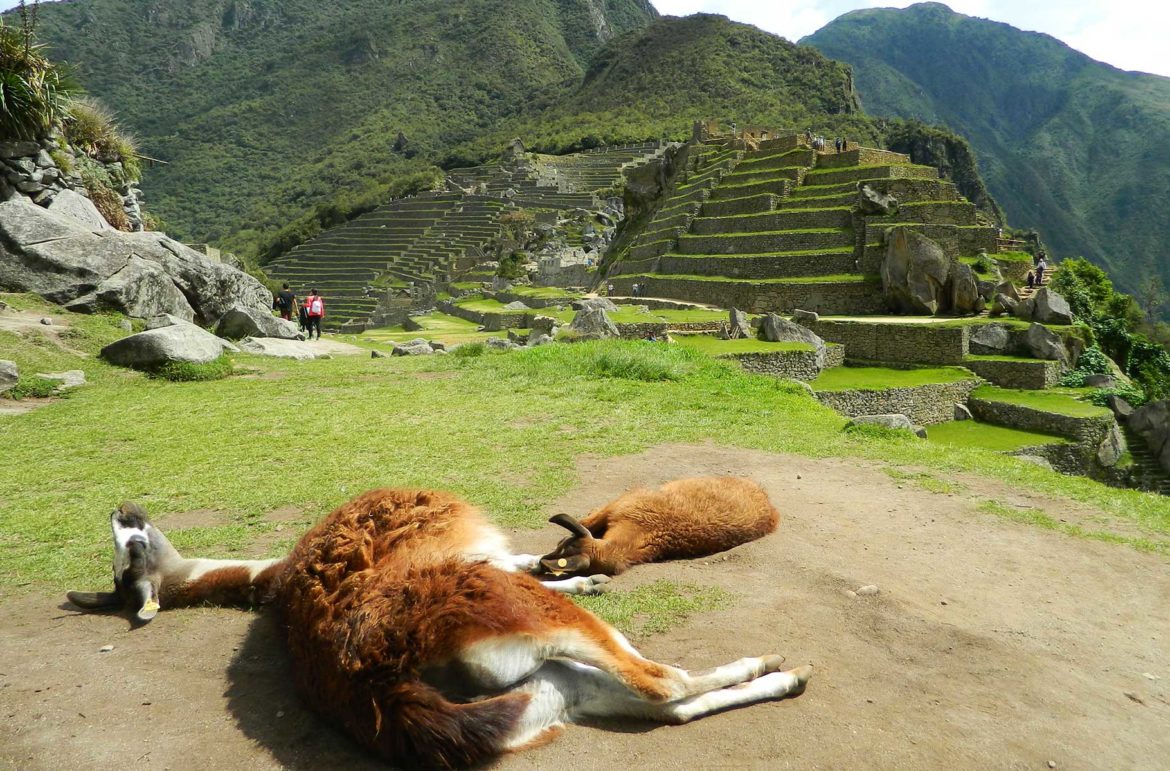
x=962, y=413
x=868, y=590
x=377, y=355
x=48, y=322
x=105, y=649
x=280, y=713
x=1052, y=764
x=125, y=325
x=942, y=602
x=1149, y=676
x=1134, y=697
x=798, y=476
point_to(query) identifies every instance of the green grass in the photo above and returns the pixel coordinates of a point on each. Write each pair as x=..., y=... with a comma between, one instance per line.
x=32, y=387
x=435, y=326
x=544, y=292
x=1037, y=518
x=1012, y=257
x=883, y=378
x=842, y=278
x=1045, y=401
x=189, y=372
x=504, y=431
x=713, y=346
x=654, y=608
x=970, y=433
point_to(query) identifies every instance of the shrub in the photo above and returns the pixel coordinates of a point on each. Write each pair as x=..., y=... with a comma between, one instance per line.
x=92, y=128
x=470, y=350
x=1135, y=396
x=33, y=90
x=185, y=371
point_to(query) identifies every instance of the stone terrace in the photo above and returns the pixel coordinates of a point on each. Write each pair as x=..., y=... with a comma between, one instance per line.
x=777, y=227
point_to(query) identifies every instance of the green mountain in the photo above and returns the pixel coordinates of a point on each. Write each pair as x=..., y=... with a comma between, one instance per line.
x=1068, y=145
x=263, y=108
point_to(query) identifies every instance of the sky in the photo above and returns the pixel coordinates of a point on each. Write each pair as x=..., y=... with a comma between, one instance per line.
x=1128, y=35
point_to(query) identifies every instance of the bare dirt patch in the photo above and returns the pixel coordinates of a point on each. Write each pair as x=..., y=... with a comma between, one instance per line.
x=989, y=645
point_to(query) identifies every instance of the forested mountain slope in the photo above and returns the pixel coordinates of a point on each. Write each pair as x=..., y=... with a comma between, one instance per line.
x=263, y=108
x=1067, y=144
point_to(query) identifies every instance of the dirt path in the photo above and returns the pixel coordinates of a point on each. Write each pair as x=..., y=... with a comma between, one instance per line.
x=990, y=645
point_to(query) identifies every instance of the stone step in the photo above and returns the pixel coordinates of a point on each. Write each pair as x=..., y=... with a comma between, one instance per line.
x=752, y=204
x=780, y=187
x=845, y=295
x=762, y=266
x=858, y=173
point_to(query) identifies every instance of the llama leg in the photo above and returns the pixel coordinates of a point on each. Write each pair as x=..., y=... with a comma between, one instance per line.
x=518, y=563
x=578, y=584
x=598, y=695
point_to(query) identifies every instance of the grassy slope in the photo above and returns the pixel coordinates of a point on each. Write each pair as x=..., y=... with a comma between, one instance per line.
x=1068, y=145
x=502, y=429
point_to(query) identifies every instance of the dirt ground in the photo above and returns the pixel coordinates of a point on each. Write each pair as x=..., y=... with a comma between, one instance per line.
x=989, y=645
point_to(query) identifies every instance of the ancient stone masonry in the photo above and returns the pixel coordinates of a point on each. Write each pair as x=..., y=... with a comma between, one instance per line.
x=804, y=366
x=33, y=170
x=925, y=404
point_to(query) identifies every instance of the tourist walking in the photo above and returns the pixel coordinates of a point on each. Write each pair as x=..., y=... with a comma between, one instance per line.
x=1041, y=266
x=837, y=144
x=316, y=312
x=1031, y=279
x=285, y=302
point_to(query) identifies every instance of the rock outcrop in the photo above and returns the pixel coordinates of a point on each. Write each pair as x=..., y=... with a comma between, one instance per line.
x=1045, y=307
x=9, y=375
x=593, y=324
x=778, y=329
x=140, y=274
x=874, y=203
x=239, y=323
x=156, y=347
x=1152, y=424
x=918, y=277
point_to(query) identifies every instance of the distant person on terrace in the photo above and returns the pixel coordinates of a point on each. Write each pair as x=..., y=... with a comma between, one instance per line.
x=1041, y=266
x=315, y=306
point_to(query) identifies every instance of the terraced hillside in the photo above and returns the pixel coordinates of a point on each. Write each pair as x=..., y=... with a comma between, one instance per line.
x=574, y=181
x=777, y=227
x=420, y=239
x=435, y=238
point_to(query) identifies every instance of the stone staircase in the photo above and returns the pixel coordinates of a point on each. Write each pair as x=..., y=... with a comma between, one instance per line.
x=1146, y=472
x=777, y=227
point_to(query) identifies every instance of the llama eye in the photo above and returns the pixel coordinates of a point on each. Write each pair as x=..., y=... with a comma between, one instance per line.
x=562, y=563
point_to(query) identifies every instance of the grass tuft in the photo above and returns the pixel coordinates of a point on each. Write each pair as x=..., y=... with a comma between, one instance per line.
x=189, y=372
x=654, y=608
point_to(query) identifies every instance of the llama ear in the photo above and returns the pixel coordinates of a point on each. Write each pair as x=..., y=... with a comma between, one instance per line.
x=570, y=524
x=95, y=600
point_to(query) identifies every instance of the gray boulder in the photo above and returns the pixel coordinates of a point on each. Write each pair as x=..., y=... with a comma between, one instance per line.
x=1050, y=308
x=68, y=379
x=914, y=273
x=1100, y=381
x=875, y=204
x=80, y=208
x=1152, y=423
x=738, y=326
x=377, y=355
x=777, y=329
x=9, y=375
x=537, y=338
x=593, y=324
x=1004, y=305
x=281, y=349
x=165, y=320
x=141, y=289
x=990, y=340
x=500, y=344
x=604, y=303
x=516, y=305
x=965, y=296
x=1112, y=447
x=805, y=317
x=155, y=347
x=416, y=347
x=239, y=323
x=962, y=413
x=1009, y=289
x=896, y=422
x=544, y=325
x=59, y=258
x=1121, y=408
x=1043, y=343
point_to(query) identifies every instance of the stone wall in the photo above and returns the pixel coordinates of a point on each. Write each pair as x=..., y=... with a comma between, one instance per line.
x=491, y=322
x=1088, y=430
x=29, y=169
x=795, y=365
x=926, y=404
x=850, y=298
x=1034, y=374
x=861, y=156
x=909, y=343
x=734, y=266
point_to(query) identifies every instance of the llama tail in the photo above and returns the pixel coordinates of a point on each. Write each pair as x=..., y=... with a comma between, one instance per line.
x=412, y=725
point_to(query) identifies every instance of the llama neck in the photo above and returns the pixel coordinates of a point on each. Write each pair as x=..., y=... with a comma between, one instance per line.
x=218, y=582
x=605, y=558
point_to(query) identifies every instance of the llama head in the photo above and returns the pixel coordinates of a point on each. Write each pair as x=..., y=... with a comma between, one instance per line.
x=572, y=555
x=139, y=548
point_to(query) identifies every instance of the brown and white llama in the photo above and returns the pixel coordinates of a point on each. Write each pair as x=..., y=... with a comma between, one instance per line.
x=682, y=519
x=411, y=625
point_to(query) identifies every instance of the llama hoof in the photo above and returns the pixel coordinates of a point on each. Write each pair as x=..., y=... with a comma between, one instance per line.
x=592, y=586
x=148, y=610
x=600, y=578
x=802, y=675
x=772, y=663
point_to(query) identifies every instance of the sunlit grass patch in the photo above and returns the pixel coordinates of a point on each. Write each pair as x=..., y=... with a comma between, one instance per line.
x=654, y=608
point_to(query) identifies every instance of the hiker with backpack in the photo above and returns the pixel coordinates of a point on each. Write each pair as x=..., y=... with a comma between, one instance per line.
x=285, y=302
x=315, y=310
